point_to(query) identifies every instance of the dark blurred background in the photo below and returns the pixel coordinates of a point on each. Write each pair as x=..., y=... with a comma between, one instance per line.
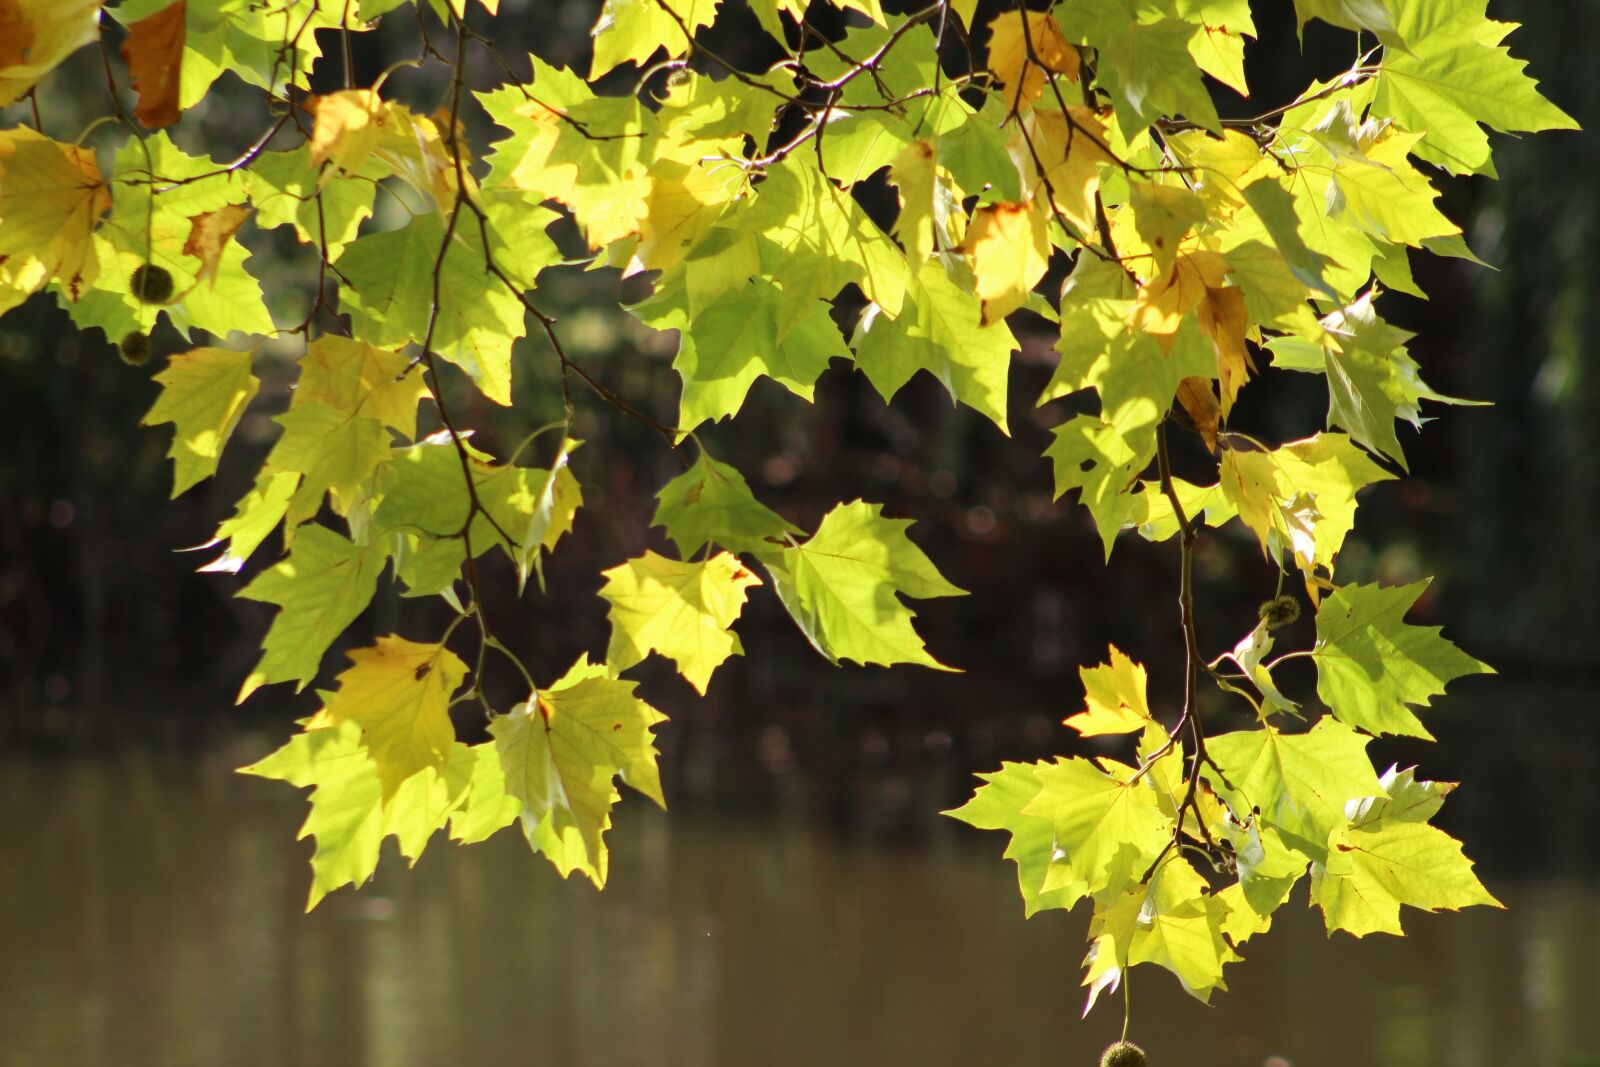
x=118, y=662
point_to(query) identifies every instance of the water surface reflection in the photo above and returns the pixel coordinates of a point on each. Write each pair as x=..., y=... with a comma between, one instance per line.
x=150, y=915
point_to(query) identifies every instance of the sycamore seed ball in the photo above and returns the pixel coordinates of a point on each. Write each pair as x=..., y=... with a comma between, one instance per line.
x=1280, y=611
x=151, y=284
x=1123, y=1054
x=134, y=348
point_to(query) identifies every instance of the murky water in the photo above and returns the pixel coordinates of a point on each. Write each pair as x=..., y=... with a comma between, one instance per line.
x=150, y=914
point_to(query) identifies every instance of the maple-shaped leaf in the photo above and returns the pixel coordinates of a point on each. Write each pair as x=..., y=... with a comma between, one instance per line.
x=346, y=127
x=399, y=692
x=1114, y=695
x=1151, y=511
x=939, y=331
x=353, y=376
x=209, y=235
x=423, y=498
x=1299, y=782
x=816, y=239
x=1372, y=380
x=335, y=451
x=1023, y=47
x=1373, y=15
x=1176, y=291
x=36, y=35
x=1107, y=829
x=1101, y=456
x=488, y=808
x=203, y=394
x=682, y=611
x=349, y=816
x=1163, y=215
x=843, y=586
x=391, y=288
x=631, y=31
x=1454, y=74
x=561, y=752
x=998, y=805
x=1173, y=921
x=254, y=518
x=738, y=337
x=686, y=200
x=1072, y=144
x=1143, y=64
x=711, y=503
x=52, y=197
x=1372, y=870
x=1008, y=246
x=153, y=51
x=928, y=201
x=1372, y=664
x=1268, y=489
x=1385, y=195
x=285, y=190
x=322, y=585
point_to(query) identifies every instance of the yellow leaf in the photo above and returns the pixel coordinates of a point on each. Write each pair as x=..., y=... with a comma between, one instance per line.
x=399, y=692
x=1072, y=145
x=35, y=35
x=1009, y=249
x=346, y=127
x=684, y=203
x=154, y=54
x=354, y=377
x=1222, y=318
x=1115, y=701
x=209, y=234
x=51, y=198
x=679, y=610
x=1180, y=289
x=1020, y=54
x=1162, y=216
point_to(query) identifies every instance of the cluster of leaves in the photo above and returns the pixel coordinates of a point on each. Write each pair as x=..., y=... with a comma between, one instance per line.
x=1197, y=250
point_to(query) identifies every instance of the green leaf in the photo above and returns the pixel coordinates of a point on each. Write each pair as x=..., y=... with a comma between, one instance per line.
x=1172, y=921
x=284, y=190
x=710, y=503
x=998, y=805
x=1102, y=457
x=843, y=587
x=1372, y=870
x=1144, y=65
x=1109, y=830
x=254, y=518
x=938, y=332
x=1452, y=75
x=682, y=611
x=349, y=818
x=335, y=452
x=1115, y=701
x=203, y=394
x=736, y=339
x=391, y=289
x=1299, y=782
x=322, y=585
x=816, y=240
x=1371, y=664
x=560, y=752
x=1371, y=15
x=488, y=808
x=631, y=31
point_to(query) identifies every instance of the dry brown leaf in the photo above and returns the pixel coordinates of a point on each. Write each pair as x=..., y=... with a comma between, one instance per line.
x=154, y=54
x=1200, y=402
x=209, y=235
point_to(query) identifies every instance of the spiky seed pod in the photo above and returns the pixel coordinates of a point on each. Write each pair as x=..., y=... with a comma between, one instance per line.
x=150, y=284
x=1280, y=611
x=134, y=348
x=1123, y=1054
